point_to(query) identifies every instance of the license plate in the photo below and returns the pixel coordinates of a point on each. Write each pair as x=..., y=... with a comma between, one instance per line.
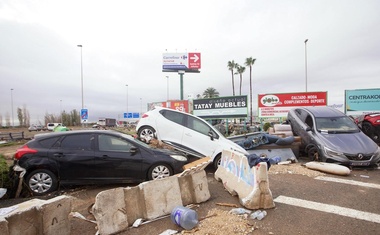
x=359, y=164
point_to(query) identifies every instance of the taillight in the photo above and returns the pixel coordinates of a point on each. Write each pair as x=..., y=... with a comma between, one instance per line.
x=144, y=115
x=23, y=150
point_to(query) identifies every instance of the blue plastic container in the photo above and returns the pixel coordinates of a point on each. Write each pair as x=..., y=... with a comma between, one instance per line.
x=184, y=217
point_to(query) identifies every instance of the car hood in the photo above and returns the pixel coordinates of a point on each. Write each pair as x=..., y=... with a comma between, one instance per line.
x=351, y=143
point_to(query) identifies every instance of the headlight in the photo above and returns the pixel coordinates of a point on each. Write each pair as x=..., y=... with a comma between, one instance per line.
x=332, y=153
x=179, y=158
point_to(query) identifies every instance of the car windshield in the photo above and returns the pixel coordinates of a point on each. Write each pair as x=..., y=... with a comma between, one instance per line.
x=336, y=125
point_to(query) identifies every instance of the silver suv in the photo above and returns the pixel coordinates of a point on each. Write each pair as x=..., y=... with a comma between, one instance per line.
x=185, y=132
x=329, y=135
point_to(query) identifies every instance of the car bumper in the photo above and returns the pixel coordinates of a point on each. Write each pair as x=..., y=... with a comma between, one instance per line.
x=375, y=159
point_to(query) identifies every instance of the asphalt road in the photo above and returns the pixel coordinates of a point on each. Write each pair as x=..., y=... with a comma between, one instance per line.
x=344, y=208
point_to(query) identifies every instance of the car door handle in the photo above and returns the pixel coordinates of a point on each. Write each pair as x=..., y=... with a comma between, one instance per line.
x=188, y=134
x=58, y=155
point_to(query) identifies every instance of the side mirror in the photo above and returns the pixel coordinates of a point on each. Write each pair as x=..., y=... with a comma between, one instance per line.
x=133, y=150
x=211, y=135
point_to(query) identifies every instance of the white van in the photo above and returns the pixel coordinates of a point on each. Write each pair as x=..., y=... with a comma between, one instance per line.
x=51, y=126
x=185, y=132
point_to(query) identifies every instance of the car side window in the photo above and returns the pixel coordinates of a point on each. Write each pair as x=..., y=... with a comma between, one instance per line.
x=113, y=143
x=198, y=125
x=174, y=116
x=77, y=142
x=309, y=121
x=49, y=142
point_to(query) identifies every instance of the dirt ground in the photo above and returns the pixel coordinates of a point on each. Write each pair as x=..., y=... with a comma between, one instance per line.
x=213, y=214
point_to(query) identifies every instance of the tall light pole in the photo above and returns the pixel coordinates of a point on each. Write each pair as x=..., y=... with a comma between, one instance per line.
x=13, y=123
x=60, y=105
x=306, y=64
x=127, y=99
x=167, y=89
x=81, y=73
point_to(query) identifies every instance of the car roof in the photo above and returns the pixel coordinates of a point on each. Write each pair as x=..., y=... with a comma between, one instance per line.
x=62, y=133
x=323, y=111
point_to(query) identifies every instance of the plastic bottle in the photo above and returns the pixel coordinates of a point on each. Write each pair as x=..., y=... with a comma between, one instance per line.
x=262, y=215
x=239, y=211
x=184, y=217
x=255, y=214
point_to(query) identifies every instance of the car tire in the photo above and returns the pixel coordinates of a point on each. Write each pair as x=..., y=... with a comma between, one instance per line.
x=41, y=182
x=146, y=133
x=217, y=160
x=313, y=154
x=159, y=171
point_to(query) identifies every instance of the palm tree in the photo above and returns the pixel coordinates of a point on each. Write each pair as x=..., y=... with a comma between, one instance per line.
x=240, y=70
x=210, y=93
x=249, y=62
x=231, y=65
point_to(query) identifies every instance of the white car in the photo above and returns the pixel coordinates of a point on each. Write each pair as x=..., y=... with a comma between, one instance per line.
x=185, y=132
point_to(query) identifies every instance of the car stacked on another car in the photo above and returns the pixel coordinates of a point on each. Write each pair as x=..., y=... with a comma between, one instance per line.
x=370, y=124
x=185, y=132
x=91, y=157
x=329, y=135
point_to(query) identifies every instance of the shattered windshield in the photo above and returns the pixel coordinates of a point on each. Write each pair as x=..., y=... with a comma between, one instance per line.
x=336, y=125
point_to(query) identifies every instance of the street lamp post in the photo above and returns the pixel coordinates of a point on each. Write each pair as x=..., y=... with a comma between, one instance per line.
x=127, y=99
x=60, y=109
x=167, y=89
x=13, y=124
x=306, y=65
x=81, y=73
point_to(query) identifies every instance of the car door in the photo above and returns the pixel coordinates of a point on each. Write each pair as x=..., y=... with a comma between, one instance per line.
x=196, y=136
x=74, y=155
x=117, y=159
x=170, y=126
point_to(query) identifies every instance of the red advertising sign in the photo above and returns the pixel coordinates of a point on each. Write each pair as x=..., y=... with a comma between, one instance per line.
x=180, y=105
x=194, y=60
x=278, y=105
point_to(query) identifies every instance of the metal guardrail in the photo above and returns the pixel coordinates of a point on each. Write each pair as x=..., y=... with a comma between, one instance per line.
x=12, y=136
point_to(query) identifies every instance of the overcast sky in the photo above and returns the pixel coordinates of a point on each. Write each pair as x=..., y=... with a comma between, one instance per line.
x=123, y=42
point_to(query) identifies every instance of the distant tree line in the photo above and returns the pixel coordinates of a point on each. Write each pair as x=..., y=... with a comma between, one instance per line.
x=68, y=119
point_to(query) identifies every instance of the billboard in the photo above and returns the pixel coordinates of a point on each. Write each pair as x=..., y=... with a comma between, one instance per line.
x=278, y=105
x=180, y=105
x=362, y=101
x=221, y=107
x=181, y=61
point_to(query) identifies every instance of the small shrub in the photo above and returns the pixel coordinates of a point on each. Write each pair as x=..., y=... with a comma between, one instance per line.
x=266, y=126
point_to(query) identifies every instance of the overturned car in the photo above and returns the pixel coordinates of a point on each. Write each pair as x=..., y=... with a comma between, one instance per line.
x=329, y=135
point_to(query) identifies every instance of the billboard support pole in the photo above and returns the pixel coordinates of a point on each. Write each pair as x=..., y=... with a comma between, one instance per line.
x=181, y=82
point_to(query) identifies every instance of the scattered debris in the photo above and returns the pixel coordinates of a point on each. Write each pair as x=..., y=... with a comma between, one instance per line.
x=226, y=204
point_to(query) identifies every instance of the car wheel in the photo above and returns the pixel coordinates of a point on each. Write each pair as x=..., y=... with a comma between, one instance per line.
x=159, y=171
x=217, y=160
x=41, y=182
x=146, y=134
x=313, y=154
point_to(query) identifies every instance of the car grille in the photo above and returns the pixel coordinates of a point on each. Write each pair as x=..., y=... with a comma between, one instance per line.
x=359, y=157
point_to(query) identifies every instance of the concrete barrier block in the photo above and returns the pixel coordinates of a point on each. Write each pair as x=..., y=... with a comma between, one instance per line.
x=26, y=219
x=4, y=226
x=110, y=211
x=250, y=184
x=134, y=203
x=55, y=215
x=194, y=188
x=161, y=196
